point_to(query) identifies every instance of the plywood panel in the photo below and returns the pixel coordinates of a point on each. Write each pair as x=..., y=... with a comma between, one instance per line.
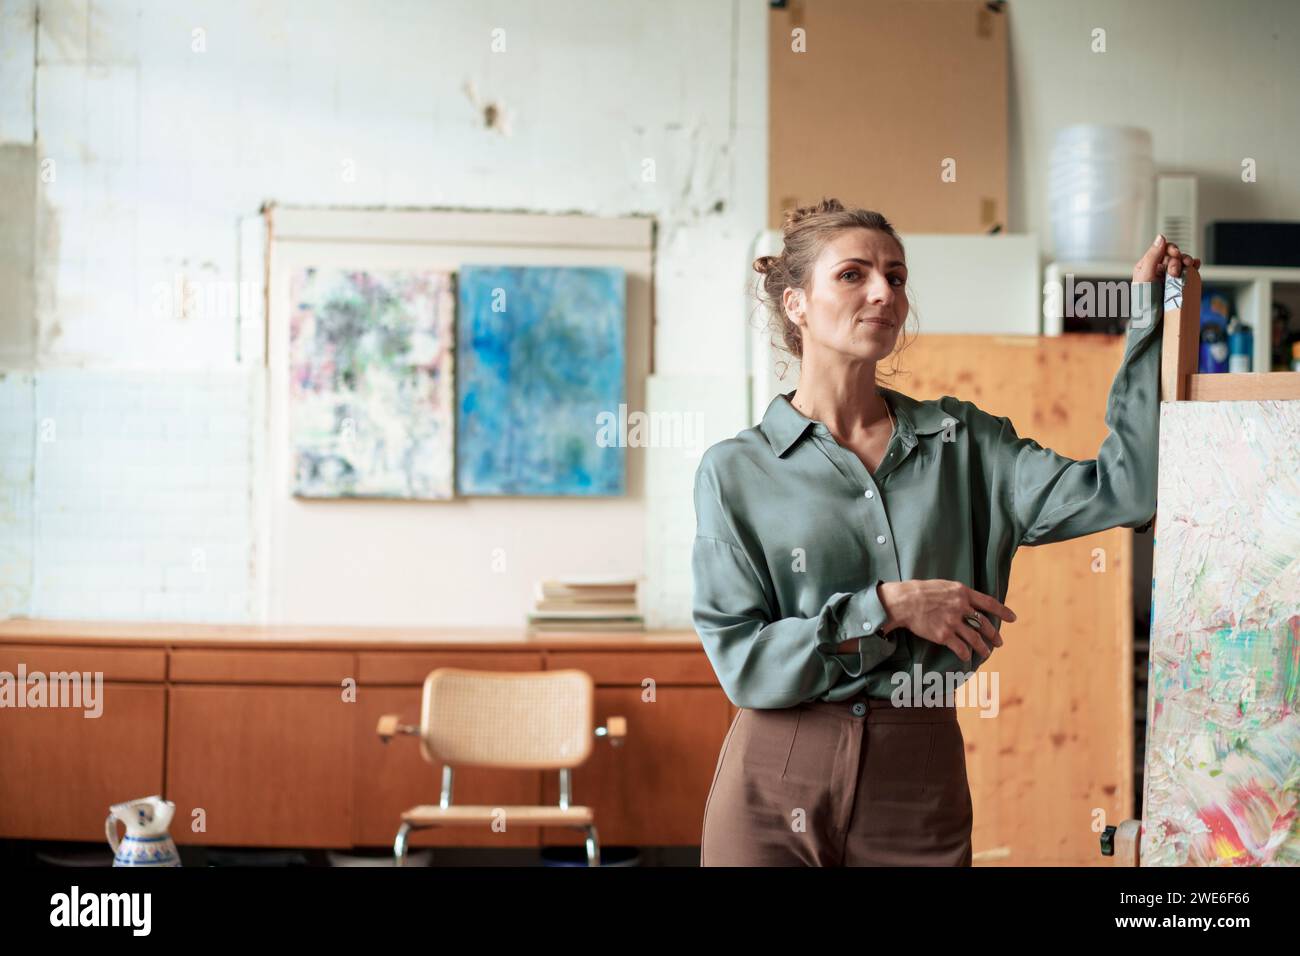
x=1058, y=755
x=884, y=93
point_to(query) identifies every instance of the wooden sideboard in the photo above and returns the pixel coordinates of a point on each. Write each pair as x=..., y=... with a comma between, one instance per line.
x=251, y=732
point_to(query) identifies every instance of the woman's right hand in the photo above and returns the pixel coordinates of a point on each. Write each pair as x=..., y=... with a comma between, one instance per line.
x=936, y=610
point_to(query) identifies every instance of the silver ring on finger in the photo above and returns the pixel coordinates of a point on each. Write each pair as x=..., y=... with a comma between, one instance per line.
x=975, y=620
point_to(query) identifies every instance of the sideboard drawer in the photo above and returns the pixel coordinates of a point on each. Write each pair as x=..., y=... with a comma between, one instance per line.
x=412, y=667
x=124, y=664
x=261, y=667
x=615, y=668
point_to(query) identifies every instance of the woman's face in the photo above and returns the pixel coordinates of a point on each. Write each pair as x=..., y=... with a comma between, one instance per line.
x=857, y=303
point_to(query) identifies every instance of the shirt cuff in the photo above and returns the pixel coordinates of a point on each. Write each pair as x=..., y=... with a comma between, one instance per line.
x=863, y=618
x=1146, y=305
x=863, y=615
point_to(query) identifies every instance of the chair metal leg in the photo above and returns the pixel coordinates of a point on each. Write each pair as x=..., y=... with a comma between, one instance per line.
x=399, y=845
x=593, y=846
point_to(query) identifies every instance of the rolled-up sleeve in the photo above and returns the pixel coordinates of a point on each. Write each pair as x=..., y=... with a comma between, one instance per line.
x=1056, y=498
x=762, y=660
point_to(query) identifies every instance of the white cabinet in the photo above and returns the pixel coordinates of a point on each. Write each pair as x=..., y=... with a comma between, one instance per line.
x=1103, y=284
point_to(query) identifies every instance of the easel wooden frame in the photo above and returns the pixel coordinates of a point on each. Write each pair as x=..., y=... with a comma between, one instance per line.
x=1180, y=382
x=1180, y=356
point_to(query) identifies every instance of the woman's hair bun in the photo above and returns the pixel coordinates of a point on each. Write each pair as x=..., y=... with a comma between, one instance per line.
x=793, y=216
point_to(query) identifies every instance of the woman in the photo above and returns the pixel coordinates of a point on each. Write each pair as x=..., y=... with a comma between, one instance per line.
x=857, y=535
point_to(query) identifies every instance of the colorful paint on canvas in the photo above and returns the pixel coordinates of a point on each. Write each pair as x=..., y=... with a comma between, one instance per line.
x=1222, y=784
x=540, y=358
x=370, y=405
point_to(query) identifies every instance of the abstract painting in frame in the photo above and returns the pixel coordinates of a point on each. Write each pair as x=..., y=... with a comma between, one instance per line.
x=540, y=359
x=371, y=394
x=1222, y=782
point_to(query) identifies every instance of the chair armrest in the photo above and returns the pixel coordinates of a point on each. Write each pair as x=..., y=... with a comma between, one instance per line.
x=390, y=725
x=615, y=730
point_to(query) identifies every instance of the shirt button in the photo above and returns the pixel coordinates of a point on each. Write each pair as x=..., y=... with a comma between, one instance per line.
x=859, y=709
x=869, y=493
x=880, y=539
x=868, y=626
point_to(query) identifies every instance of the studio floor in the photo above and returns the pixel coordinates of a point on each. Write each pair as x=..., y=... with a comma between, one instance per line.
x=36, y=853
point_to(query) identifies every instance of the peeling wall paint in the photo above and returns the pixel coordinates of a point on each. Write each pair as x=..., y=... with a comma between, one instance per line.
x=18, y=256
x=17, y=480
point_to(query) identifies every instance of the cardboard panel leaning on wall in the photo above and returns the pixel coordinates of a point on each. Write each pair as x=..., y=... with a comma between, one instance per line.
x=874, y=97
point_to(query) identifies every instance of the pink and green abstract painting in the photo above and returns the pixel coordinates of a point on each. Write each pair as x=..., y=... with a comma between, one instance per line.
x=1222, y=781
x=371, y=403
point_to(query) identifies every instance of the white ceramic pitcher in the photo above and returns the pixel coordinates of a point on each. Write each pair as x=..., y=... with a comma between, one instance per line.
x=147, y=842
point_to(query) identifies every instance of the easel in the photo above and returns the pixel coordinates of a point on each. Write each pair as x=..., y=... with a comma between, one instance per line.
x=1180, y=357
x=1180, y=382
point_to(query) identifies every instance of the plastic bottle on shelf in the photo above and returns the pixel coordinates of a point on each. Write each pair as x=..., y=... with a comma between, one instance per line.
x=1214, y=348
x=1241, y=345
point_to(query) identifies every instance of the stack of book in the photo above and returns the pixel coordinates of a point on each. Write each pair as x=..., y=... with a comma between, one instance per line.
x=585, y=603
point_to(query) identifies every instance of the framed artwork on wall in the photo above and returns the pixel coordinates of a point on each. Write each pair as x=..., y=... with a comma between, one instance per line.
x=370, y=383
x=540, y=364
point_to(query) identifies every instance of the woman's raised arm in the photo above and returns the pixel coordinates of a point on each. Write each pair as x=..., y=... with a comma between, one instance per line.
x=1055, y=498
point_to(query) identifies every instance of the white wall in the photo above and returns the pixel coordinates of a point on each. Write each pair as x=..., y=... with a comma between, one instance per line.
x=162, y=127
x=1214, y=82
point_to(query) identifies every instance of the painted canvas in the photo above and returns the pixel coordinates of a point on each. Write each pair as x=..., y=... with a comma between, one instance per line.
x=1222, y=781
x=540, y=362
x=371, y=394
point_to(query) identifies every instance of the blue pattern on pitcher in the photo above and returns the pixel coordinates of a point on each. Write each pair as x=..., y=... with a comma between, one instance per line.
x=147, y=842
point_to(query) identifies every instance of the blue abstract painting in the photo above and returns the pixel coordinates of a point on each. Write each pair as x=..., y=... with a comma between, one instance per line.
x=540, y=356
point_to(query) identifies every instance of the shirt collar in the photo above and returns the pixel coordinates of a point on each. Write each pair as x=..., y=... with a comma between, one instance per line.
x=783, y=425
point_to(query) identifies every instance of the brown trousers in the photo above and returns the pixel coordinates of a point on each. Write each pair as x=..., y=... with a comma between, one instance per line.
x=850, y=783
